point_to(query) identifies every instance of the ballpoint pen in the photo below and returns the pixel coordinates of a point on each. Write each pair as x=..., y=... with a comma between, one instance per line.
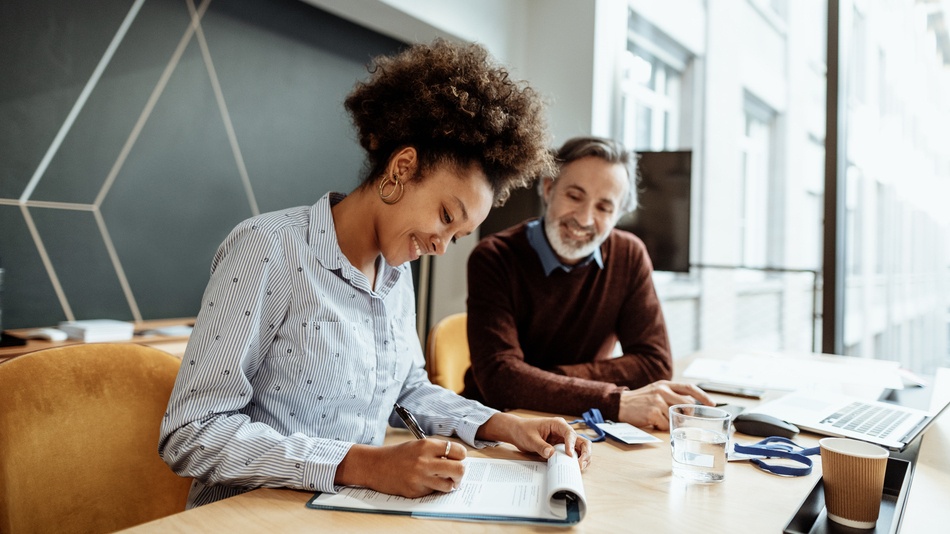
x=410, y=421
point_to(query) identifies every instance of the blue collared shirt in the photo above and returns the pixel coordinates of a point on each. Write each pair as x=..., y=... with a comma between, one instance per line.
x=539, y=242
x=294, y=358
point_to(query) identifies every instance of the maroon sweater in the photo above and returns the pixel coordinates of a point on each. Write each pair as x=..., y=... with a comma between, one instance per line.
x=545, y=342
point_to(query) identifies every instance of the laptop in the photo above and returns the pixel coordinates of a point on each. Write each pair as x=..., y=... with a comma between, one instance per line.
x=833, y=414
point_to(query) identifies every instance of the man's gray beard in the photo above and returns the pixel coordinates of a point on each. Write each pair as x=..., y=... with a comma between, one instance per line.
x=565, y=250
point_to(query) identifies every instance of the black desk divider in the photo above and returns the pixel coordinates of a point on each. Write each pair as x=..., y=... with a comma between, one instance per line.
x=812, y=517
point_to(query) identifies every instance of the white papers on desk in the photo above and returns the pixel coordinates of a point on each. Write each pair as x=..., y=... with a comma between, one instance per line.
x=627, y=433
x=840, y=373
x=98, y=330
x=515, y=491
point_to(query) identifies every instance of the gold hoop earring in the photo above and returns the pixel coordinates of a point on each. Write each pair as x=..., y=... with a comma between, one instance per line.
x=396, y=191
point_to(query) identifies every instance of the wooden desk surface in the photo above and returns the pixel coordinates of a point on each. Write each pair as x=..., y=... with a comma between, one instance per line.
x=172, y=344
x=629, y=488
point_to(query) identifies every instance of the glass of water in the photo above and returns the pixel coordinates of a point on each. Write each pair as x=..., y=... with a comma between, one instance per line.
x=698, y=438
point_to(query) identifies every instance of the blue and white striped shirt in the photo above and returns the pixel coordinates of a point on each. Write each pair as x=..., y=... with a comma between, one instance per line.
x=294, y=358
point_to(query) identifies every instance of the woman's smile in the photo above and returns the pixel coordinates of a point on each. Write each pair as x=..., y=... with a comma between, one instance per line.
x=416, y=249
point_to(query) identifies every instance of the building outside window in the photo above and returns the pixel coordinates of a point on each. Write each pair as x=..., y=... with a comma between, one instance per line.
x=651, y=100
x=897, y=284
x=655, y=72
x=757, y=221
x=696, y=71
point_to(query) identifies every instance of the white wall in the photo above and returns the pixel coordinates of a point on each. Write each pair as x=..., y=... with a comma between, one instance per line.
x=496, y=24
x=566, y=49
x=683, y=21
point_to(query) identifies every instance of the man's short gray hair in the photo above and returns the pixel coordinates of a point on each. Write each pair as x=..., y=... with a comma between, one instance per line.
x=608, y=150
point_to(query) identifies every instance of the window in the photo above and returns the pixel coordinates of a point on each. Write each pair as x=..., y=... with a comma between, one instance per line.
x=742, y=85
x=652, y=78
x=757, y=221
x=853, y=227
x=651, y=92
x=806, y=247
x=858, y=65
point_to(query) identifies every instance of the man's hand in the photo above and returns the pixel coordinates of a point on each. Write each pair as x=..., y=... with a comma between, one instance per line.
x=411, y=469
x=537, y=435
x=649, y=405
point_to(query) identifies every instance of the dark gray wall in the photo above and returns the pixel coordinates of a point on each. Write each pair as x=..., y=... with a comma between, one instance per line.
x=148, y=169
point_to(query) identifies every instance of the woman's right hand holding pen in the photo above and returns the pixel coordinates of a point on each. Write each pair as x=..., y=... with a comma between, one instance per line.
x=411, y=469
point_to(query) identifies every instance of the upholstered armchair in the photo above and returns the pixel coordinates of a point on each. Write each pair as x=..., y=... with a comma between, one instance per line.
x=79, y=439
x=447, y=355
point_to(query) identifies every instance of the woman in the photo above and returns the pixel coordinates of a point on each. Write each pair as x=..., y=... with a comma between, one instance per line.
x=306, y=334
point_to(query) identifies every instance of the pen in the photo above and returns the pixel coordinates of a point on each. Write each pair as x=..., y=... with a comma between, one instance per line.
x=410, y=421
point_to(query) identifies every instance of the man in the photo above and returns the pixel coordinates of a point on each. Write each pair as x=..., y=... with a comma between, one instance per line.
x=549, y=299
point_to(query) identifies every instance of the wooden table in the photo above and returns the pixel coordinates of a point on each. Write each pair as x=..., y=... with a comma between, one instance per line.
x=629, y=489
x=174, y=345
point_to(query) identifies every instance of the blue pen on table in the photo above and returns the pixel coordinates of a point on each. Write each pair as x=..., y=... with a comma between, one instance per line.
x=410, y=421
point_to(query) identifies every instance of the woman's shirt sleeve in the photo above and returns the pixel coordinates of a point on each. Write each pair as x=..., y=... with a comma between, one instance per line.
x=204, y=433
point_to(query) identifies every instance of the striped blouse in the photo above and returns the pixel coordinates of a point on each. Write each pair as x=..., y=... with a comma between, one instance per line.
x=294, y=358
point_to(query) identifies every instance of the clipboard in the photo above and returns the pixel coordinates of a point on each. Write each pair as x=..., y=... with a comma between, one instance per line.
x=492, y=490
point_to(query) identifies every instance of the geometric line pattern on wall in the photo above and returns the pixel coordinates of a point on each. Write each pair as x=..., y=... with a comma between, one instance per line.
x=54, y=146
x=193, y=29
x=223, y=107
x=135, y=134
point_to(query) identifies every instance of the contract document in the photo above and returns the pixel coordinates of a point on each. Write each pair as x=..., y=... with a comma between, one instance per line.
x=518, y=491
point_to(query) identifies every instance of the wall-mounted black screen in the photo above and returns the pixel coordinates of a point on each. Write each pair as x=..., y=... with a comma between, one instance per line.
x=662, y=217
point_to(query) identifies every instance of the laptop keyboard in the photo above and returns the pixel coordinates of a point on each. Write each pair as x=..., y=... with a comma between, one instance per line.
x=868, y=419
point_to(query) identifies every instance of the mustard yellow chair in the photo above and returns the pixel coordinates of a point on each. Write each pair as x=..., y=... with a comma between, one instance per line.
x=79, y=439
x=447, y=356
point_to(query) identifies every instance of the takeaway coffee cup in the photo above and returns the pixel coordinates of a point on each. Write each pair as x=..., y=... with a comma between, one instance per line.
x=852, y=472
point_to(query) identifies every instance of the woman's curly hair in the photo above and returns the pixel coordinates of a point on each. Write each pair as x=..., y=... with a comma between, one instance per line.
x=455, y=106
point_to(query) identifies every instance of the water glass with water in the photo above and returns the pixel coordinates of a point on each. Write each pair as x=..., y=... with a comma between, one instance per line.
x=698, y=438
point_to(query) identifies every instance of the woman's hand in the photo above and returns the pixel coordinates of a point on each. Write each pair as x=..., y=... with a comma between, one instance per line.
x=649, y=405
x=537, y=435
x=411, y=469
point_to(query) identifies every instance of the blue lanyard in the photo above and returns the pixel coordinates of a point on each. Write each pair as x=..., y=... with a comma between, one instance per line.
x=778, y=447
x=773, y=447
x=591, y=418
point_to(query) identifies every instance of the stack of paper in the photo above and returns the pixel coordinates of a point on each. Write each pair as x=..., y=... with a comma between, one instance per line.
x=842, y=373
x=95, y=330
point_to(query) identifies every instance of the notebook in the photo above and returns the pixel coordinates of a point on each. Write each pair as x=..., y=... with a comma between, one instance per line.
x=507, y=491
x=833, y=414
